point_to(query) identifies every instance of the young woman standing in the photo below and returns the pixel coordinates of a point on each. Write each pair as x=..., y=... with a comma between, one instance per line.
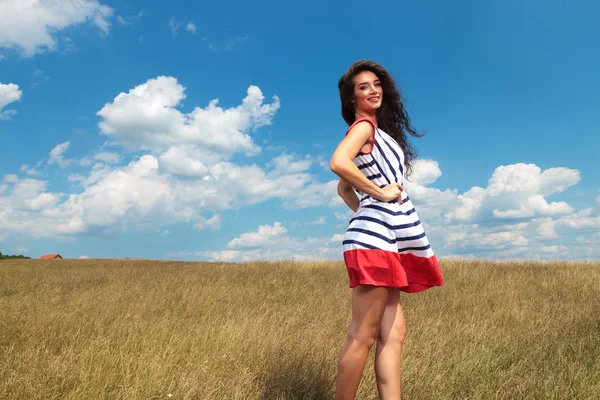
x=385, y=247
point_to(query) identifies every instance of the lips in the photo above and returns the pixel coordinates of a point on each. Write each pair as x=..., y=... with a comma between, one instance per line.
x=373, y=99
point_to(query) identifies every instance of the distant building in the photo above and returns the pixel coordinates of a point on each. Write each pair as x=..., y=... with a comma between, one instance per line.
x=51, y=257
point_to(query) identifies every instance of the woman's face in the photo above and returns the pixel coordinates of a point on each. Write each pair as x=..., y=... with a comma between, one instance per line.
x=368, y=92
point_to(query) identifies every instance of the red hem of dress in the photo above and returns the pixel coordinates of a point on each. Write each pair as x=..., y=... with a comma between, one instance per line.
x=408, y=272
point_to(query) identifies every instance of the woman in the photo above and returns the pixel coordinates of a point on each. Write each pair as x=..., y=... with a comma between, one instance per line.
x=385, y=247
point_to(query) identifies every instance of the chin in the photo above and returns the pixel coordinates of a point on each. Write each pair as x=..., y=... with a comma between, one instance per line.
x=370, y=107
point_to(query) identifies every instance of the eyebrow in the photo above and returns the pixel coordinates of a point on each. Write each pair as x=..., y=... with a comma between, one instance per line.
x=363, y=83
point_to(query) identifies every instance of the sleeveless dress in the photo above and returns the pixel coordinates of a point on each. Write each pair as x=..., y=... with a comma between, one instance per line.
x=385, y=243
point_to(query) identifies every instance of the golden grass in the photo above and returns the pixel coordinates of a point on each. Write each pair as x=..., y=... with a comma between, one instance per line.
x=135, y=329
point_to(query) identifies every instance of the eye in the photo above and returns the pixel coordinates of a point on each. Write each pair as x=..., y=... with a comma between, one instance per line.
x=378, y=84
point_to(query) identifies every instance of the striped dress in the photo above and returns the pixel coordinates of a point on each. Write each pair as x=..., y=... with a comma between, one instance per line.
x=385, y=244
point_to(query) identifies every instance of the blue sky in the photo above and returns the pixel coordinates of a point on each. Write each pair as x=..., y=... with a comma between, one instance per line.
x=113, y=144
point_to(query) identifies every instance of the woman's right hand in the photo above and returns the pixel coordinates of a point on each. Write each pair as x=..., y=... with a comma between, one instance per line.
x=391, y=192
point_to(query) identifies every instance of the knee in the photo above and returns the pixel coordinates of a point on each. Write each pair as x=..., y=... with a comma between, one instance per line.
x=401, y=334
x=395, y=336
x=364, y=339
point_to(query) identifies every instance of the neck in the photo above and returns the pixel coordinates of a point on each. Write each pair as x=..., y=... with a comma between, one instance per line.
x=365, y=114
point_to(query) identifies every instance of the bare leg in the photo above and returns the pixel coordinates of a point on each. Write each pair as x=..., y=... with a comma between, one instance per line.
x=368, y=304
x=388, y=354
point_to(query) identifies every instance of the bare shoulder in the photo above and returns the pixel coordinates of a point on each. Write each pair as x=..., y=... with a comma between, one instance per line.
x=362, y=129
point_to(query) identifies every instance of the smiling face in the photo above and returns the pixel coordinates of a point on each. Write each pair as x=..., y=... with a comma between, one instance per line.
x=368, y=92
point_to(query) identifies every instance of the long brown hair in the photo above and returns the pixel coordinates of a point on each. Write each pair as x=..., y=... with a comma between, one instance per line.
x=391, y=115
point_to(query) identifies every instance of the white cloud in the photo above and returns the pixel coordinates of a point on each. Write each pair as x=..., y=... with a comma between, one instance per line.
x=319, y=221
x=42, y=201
x=546, y=228
x=122, y=20
x=213, y=223
x=56, y=155
x=259, y=238
x=67, y=46
x=82, y=257
x=487, y=239
x=271, y=242
x=229, y=44
x=185, y=172
x=19, y=250
x=289, y=164
x=337, y=238
x=127, y=21
x=313, y=194
x=29, y=170
x=588, y=218
x=103, y=156
x=39, y=78
x=107, y=157
x=11, y=178
x=481, y=221
x=190, y=27
x=556, y=180
x=9, y=93
x=31, y=26
x=516, y=191
x=131, y=197
x=344, y=216
x=146, y=119
x=425, y=172
x=138, y=196
x=185, y=162
x=262, y=254
x=430, y=202
x=174, y=26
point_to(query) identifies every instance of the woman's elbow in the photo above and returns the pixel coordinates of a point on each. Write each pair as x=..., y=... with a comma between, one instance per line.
x=335, y=165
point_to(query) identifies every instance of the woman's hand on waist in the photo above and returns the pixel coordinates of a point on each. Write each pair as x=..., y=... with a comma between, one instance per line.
x=391, y=192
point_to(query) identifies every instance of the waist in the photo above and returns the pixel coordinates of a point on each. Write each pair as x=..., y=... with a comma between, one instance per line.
x=368, y=199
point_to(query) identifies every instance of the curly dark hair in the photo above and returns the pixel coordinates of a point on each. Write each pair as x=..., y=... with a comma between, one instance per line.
x=391, y=115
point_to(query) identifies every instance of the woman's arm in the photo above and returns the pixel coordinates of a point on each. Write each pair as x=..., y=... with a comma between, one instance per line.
x=341, y=164
x=347, y=194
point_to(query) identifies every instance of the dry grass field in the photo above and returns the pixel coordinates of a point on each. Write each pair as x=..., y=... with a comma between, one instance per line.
x=135, y=329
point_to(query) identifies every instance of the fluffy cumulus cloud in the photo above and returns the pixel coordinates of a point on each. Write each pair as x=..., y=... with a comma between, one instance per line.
x=213, y=222
x=9, y=93
x=513, y=192
x=116, y=201
x=259, y=238
x=516, y=191
x=178, y=167
x=184, y=171
x=272, y=242
x=431, y=202
x=584, y=219
x=147, y=118
x=509, y=218
x=56, y=155
x=190, y=27
x=31, y=26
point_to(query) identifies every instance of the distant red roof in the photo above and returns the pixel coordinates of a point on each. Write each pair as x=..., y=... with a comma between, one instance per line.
x=50, y=257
